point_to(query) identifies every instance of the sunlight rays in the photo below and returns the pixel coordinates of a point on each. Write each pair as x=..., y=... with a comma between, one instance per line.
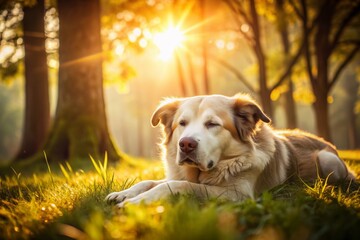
x=175, y=36
x=168, y=41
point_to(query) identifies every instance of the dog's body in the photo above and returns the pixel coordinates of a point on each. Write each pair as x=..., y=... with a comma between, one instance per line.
x=223, y=147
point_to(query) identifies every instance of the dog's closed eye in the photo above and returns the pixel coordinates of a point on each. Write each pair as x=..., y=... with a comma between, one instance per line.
x=211, y=124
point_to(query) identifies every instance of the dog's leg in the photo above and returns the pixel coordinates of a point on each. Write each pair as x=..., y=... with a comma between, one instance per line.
x=192, y=174
x=169, y=188
x=332, y=166
x=135, y=190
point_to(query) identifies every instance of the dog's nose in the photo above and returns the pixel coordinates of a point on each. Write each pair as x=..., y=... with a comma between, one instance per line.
x=187, y=144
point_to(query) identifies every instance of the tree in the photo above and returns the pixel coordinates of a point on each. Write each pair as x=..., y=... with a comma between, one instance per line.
x=37, y=104
x=11, y=42
x=204, y=48
x=282, y=21
x=80, y=126
x=333, y=19
x=177, y=56
x=261, y=58
x=248, y=14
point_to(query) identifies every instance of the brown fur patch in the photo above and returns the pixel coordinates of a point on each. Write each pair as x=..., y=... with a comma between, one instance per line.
x=246, y=117
x=164, y=114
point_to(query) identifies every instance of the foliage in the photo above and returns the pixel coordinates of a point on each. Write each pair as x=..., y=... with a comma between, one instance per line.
x=69, y=202
x=11, y=41
x=127, y=28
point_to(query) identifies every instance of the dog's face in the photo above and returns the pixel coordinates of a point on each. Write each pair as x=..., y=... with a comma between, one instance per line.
x=206, y=129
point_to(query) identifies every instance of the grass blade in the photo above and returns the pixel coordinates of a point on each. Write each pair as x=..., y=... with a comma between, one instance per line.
x=49, y=169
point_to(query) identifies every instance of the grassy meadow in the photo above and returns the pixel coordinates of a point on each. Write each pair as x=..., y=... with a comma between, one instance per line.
x=62, y=201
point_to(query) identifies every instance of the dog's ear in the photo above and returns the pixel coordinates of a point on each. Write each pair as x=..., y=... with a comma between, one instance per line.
x=247, y=116
x=164, y=114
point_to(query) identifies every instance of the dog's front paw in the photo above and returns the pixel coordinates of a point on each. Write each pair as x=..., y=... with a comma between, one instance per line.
x=146, y=198
x=157, y=193
x=135, y=201
x=118, y=197
x=135, y=190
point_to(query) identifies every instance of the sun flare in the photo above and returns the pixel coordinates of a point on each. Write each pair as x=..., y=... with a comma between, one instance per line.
x=168, y=41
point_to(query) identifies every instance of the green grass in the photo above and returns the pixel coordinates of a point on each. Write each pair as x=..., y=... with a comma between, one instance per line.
x=64, y=203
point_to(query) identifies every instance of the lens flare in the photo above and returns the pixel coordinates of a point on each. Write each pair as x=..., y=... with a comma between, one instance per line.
x=168, y=41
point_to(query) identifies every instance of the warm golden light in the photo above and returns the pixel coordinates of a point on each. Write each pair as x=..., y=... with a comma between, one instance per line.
x=119, y=49
x=168, y=41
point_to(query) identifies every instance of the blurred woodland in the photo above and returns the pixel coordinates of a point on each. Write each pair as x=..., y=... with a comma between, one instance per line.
x=82, y=77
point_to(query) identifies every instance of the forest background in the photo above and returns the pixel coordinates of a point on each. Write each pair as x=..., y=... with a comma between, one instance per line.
x=299, y=59
x=82, y=77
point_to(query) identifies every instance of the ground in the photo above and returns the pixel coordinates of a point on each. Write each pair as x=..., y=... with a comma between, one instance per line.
x=63, y=203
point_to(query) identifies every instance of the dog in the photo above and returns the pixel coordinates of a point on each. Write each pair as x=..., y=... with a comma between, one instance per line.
x=224, y=147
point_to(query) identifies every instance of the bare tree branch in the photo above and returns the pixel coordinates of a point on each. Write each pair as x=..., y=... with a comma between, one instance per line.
x=340, y=31
x=349, y=41
x=306, y=42
x=289, y=67
x=296, y=56
x=235, y=71
x=237, y=10
x=296, y=9
x=254, y=20
x=343, y=65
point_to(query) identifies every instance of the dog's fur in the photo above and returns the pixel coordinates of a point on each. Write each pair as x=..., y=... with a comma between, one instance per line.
x=234, y=153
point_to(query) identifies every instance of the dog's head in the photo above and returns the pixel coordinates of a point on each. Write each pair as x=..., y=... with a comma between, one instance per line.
x=205, y=129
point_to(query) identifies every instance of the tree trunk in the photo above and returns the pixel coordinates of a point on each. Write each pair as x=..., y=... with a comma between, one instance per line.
x=181, y=74
x=351, y=86
x=80, y=126
x=321, y=105
x=284, y=34
x=321, y=109
x=290, y=106
x=259, y=53
x=264, y=91
x=352, y=131
x=192, y=74
x=320, y=84
x=37, y=105
x=204, y=48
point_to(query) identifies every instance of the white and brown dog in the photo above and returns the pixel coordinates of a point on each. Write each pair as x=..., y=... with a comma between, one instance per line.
x=222, y=147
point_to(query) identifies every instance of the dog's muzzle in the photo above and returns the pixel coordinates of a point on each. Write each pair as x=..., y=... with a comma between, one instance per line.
x=188, y=147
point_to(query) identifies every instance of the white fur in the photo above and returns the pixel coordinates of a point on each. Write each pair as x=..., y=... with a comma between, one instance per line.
x=331, y=165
